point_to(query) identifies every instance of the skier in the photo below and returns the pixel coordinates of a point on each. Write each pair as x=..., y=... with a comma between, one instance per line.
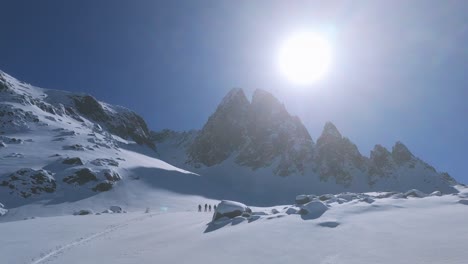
x=206, y=206
x=209, y=207
x=214, y=207
x=199, y=208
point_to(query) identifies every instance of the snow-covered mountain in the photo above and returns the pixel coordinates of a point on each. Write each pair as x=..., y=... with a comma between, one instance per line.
x=58, y=147
x=257, y=146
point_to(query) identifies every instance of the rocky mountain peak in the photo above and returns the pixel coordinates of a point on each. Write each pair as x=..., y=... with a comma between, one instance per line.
x=224, y=132
x=235, y=96
x=330, y=130
x=380, y=156
x=259, y=132
x=401, y=154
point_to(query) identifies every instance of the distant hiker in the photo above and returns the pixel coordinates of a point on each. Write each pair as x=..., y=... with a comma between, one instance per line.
x=209, y=207
x=206, y=206
x=199, y=208
x=214, y=207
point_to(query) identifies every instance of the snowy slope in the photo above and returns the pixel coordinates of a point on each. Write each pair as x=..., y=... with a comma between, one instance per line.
x=379, y=230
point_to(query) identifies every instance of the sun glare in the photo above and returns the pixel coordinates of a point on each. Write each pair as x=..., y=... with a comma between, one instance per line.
x=304, y=58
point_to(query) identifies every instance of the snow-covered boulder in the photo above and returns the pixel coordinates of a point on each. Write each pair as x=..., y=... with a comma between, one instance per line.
x=81, y=177
x=231, y=209
x=3, y=211
x=367, y=199
x=303, y=199
x=116, y=209
x=436, y=193
x=313, y=210
x=327, y=197
x=415, y=193
x=84, y=212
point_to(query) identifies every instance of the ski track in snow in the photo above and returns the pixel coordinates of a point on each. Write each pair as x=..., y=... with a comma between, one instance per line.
x=47, y=257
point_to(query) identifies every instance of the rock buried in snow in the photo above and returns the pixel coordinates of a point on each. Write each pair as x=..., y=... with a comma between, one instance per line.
x=415, y=193
x=367, y=200
x=436, y=193
x=84, y=212
x=302, y=199
x=465, y=202
x=313, y=210
x=116, y=209
x=231, y=209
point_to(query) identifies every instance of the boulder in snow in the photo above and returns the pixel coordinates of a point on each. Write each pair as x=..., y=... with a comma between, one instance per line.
x=302, y=199
x=436, y=193
x=231, y=209
x=81, y=177
x=367, y=199
x=415, y=193
x=84, y=212
x=313, y=210
x=116, y=209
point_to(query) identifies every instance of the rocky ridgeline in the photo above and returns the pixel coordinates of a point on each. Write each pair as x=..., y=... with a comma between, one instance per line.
x=58, y=104
x=262, y=134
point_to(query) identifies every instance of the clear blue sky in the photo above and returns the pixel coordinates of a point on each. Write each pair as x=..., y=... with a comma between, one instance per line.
x=399, y=70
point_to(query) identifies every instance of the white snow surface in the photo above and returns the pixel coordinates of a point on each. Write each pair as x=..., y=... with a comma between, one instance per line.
x=390, y=230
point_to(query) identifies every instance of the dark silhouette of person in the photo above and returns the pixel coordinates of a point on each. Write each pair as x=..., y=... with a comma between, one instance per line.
x=206, y=206
x=214, y=207
x=209, y=207
x=199, y=208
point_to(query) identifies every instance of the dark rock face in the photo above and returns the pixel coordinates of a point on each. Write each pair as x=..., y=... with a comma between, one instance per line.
x=334, y=154
x=224, y=132
x=90, y=108
x=103, y=187
x=27, y=182
x=381, y=164
x=274, y=133
x=103, y=162
x=124, y=123
x=401, y=154
x=449, y=179
x=259, y=132
x=81, y=177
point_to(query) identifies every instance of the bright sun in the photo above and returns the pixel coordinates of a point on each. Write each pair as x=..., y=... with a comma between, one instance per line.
x=305, y=58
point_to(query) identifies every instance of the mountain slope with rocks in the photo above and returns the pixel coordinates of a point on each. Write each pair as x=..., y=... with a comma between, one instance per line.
x=61, y=147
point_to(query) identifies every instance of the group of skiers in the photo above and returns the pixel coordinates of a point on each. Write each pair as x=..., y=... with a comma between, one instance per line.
x=207, y=207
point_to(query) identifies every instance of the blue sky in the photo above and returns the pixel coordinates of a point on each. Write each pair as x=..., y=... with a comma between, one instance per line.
x=399, y=69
